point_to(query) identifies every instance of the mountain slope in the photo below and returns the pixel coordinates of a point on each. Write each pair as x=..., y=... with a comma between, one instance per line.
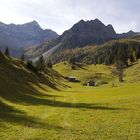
x=18, y=36
x=106, y=53
x=80, y=35
x=19, y=84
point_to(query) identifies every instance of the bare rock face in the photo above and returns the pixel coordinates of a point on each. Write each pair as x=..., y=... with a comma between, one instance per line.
x=17, y=37
x=87, y=33
x=90, y=32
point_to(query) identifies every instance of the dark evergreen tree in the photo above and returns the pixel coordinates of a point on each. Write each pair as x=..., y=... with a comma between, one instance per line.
x=41, y=64
x=49, y=65
x=30, y=66
x=72, y=60
x=122, y=55
x=131, y=58
x=7, y=53
x=107, y=61
x=138, y=52
x=1, y=54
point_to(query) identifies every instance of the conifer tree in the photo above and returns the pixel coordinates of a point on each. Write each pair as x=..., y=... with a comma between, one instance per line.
x=49, y=65
x=72, y=60
x=7, y=53
x=1, y=54
x=131, y=58
x=41, y=64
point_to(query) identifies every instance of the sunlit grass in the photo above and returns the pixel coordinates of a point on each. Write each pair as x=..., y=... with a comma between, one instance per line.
x=31, y=109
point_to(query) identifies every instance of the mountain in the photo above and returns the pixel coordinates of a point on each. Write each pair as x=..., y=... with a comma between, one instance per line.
x=80, y=35
x=87, y=32
x=128, y=34
x=15, y=37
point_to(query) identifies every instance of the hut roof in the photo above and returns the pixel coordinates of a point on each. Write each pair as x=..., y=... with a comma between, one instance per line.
x=72, y=77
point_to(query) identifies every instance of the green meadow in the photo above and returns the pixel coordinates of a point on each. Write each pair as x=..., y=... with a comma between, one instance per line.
x=49, y=107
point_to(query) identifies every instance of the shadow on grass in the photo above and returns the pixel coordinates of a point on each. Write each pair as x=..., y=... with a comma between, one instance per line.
x=81, y=66
x=40, y=101
x=43, y=100
x=15, y=116
x=18, y=72
x=16, y=82
x=24, y=94
x=133, y=64
x=35, y=98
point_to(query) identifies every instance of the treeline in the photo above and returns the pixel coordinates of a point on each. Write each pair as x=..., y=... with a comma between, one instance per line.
x=40, y=66
x=6, y=52
x=109, y=53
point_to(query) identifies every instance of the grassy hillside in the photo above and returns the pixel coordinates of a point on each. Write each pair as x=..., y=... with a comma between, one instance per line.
x=98, y=73
x=132, y=73
x=84, y=73
x=34, y=108
x=13, y=73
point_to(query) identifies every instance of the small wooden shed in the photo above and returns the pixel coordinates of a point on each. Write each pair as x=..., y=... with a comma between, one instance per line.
x=71, y=79
x=91, y=83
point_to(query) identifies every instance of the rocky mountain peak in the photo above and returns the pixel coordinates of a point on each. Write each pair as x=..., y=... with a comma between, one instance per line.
x=23, y=35
x=32, y=24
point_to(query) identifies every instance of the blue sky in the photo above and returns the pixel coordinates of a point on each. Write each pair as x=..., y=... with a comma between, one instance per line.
x=60, y=15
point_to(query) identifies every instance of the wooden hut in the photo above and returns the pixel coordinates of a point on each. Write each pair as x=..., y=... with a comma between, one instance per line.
x=71, y=79
x=91, y=83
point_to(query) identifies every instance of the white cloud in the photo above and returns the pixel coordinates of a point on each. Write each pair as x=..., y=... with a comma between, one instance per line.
x=60, y=15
